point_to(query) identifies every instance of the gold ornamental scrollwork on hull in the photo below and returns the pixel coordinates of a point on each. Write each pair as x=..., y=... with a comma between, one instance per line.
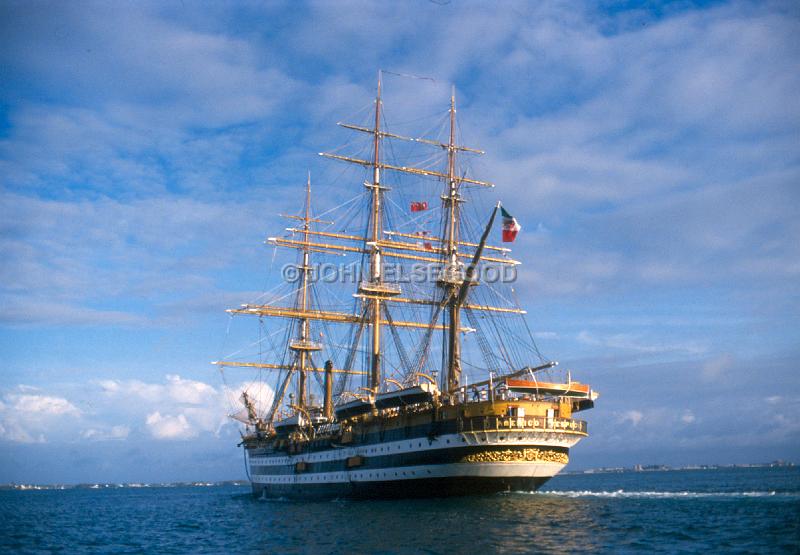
x=517, y=455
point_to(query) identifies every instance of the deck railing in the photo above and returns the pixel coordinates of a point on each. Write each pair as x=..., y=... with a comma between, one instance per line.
x=504, y=423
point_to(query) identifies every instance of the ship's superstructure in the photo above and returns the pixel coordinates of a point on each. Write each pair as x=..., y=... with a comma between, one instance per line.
x=423, y=378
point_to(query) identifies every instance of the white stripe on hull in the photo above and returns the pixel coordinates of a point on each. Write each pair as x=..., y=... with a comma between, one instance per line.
x=473, y=470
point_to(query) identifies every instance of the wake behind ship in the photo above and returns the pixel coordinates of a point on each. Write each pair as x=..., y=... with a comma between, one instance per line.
x=420, y=376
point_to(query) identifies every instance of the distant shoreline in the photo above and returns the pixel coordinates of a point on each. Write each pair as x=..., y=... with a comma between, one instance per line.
x=665, y=468
x=602, y=470
x=123, y=485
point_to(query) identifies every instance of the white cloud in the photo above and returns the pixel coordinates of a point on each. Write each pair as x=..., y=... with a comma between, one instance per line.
x=169, y=427
x=114, y=432
x=174, y=409
x=176, y=390
x=688, y=417
x=38, y=406
x=117, y=409
x=12, y=431
x=260, y=393
x=27, y=418
x=635, y=343
x=632, y=416
x=189, y=391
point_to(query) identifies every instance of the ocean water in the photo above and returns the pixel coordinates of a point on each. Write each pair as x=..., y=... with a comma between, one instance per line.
x=749, y=510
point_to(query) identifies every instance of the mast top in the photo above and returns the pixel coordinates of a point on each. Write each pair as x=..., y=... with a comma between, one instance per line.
x=307, y=221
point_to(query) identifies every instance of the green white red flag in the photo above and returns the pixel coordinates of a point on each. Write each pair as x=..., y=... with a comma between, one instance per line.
x=510, y=226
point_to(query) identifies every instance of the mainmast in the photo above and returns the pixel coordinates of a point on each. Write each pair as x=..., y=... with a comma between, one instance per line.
x=452, y=275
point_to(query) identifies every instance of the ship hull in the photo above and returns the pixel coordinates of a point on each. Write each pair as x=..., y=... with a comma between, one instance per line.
x=401, y=489
x=449, y=465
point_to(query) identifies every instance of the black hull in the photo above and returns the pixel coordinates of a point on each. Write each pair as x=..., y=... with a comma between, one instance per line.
x=400, y=489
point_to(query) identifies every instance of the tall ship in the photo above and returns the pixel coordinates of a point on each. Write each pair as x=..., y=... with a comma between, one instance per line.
x=394, y=360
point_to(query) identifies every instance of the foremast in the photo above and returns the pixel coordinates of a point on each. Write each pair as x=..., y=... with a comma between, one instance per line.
x=303, y=346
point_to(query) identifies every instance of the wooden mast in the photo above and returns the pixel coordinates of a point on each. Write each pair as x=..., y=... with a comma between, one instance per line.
x=451, y=249
x=304, y=339
x=376, y=265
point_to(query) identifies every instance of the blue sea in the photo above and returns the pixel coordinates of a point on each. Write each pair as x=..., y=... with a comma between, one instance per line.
x=746, y=510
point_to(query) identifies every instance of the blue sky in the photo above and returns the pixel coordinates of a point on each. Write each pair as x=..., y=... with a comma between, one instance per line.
x=650, y=150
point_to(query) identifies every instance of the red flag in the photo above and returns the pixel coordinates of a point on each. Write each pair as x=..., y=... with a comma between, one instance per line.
x=510, y=227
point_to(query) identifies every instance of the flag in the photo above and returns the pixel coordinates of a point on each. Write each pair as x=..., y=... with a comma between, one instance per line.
x=510, y=227
x=419, y=206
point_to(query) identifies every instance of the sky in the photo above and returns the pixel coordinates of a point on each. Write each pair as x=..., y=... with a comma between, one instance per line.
x=650, y=150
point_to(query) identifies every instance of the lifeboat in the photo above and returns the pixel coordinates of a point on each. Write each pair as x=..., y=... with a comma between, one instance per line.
x=356, y=407
x=297, y=421
x=291, y=424
x=421, y=393
x=571, y=389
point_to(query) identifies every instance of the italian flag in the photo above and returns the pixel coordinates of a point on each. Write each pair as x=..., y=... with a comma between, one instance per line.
x=510, y=227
